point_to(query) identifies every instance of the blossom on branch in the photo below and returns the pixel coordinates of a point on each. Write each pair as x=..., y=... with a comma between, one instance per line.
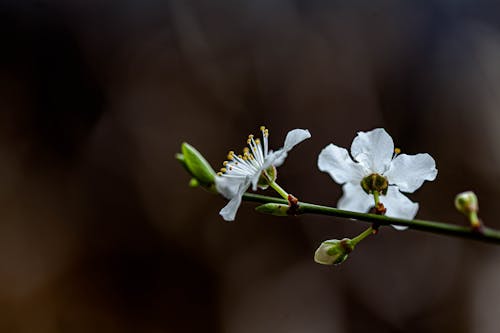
x=256, y=167
x=375, y=168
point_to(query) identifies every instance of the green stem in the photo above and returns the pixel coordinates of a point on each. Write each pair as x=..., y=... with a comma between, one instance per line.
x=361, y=236
x=376, y=198
x=485, y=234
x=279, y=189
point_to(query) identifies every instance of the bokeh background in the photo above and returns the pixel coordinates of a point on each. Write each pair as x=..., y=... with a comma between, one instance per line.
x=99, y=231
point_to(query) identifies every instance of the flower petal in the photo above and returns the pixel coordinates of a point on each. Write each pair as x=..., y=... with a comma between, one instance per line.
x=373, y=149
x=228, y=213
x=355, y=199
x=398, y=205
x=293, y=138
x=337, y=162
x=409, y=172
x=228, y=186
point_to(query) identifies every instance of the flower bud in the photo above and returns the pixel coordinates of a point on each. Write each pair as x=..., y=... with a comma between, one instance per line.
x=273, y=209
x=333, y=252
x=196, y=165
x=467, y=204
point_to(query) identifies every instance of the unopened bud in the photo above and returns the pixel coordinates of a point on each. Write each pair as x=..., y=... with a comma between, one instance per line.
x=273, y=209
x=467, y=204
x=333, y=252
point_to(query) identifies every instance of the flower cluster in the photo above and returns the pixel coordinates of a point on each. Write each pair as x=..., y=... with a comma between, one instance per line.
x=374, y=175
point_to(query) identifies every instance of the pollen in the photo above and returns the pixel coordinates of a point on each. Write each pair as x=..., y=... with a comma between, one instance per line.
x=225, y=163
x=223, y=170
x=397, y=151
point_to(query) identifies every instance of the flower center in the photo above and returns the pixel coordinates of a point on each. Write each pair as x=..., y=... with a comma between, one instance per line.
x=375, y=183
x=250, y=161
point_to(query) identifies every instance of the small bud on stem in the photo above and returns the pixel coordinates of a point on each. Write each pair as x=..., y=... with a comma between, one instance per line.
x=467, y=204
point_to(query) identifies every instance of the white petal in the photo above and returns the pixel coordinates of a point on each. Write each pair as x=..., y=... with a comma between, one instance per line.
x=255, y=179
x=275, y=158
x=355, y=199
x=398, y=205
x=295, y=137
x=373, y=149
x=228, y=186
x=409, y=172
x=337, y=162
x=228, y=213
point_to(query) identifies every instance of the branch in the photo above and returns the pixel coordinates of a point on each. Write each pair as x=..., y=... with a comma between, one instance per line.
x=484, y=234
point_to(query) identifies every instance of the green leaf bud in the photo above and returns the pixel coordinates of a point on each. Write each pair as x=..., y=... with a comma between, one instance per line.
x=196, y=165
x=273, y=209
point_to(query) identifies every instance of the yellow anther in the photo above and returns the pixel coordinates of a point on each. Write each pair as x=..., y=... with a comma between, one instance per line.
x=257, y=141
x=246, y=150
x=250, y=136
x=263, y=128
x=219, y=173
x=225, y=163
x=397, y=151
x=223, y=170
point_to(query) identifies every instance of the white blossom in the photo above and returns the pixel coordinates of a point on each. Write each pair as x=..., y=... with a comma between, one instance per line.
x=372, y=153
x=241, y=171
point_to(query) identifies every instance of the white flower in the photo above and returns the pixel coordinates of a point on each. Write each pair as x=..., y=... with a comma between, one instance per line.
x=373, y=154
x=241, y=171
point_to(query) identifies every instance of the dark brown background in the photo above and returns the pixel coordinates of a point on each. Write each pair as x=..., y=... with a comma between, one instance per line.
x=100, y=233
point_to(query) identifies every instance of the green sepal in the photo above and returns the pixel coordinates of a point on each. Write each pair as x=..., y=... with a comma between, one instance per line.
x=273, y=209
x=267, y=177
x=196, y=165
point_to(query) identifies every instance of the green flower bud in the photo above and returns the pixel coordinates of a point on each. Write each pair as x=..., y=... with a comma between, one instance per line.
x=333, y=252
x=467, y=204
x=273, y=209
x=375, y=183
x=196, y=165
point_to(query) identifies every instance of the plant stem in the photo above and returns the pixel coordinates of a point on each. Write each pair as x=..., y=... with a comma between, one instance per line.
x=376, y=198
x=484, y=234
x=362, y=236
x=279, y=189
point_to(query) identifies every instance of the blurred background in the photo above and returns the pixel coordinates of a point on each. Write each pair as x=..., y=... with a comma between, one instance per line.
x=99, y=231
